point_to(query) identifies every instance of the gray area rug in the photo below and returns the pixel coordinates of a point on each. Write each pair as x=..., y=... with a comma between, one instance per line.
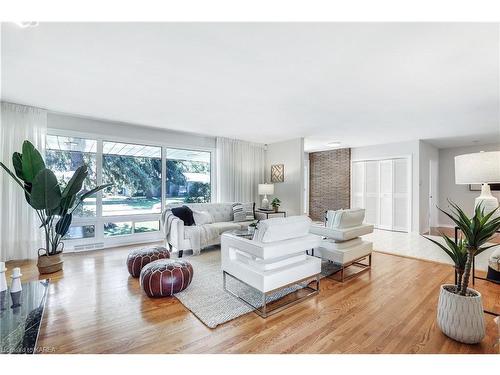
x=210, y=303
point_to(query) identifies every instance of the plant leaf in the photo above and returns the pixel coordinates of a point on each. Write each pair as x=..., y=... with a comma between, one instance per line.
x=32, y=162
x=63, y=224
x=75, y=183
x=93, y=191
x=456, y=252
x=66, y=204
x=17, y=162
x=19, y=182
x=45, y=193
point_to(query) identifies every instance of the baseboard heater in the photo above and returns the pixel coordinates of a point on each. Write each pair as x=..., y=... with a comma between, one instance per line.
x=89, y=246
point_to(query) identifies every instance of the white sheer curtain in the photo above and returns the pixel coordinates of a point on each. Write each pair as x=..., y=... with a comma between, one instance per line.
x=20, y=236
x=240, y=168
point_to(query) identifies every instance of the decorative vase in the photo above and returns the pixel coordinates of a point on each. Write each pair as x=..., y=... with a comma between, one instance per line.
x=15, y=287
x=50, y=263
x=461, y=317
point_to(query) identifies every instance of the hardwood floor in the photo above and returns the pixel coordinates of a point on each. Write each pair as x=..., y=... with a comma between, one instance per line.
x=95, y=307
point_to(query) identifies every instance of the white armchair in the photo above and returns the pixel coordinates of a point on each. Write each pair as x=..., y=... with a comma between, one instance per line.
x=274, y=259
x=342, y=243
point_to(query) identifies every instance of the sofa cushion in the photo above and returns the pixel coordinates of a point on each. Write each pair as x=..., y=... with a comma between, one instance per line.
x=185, y=214
x=343, y=256
x=342, y=245
x=244, y=211
x=224, y=226
x=342, y=219
x=279, y=229
x=202, y=217
x=341, y=234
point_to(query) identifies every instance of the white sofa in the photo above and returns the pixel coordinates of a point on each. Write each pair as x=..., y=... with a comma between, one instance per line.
x=182, y=238
x=342, y=242
x=274, y=259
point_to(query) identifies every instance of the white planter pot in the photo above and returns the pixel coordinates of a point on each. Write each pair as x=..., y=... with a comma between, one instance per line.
x=461, y=317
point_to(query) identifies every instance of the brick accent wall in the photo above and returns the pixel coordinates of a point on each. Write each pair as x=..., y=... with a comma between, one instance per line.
x=329, y=181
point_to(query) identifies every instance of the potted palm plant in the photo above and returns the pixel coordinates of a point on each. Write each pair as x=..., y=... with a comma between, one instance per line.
x=54, y=204
x=460, y=309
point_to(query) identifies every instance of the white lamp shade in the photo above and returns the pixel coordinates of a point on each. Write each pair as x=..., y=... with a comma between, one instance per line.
x=266, y=189
x=477, y=168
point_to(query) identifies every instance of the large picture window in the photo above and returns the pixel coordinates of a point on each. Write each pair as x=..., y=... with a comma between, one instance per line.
x=64, y=155
x=140, y=175
x=188, y=176
x=135, y=172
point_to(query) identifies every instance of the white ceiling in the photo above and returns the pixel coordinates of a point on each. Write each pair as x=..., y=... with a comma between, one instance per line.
x=357, y=83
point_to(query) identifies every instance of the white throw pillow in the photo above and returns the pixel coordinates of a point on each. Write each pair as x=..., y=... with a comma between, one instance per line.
x=202, y=217
x=243, y=211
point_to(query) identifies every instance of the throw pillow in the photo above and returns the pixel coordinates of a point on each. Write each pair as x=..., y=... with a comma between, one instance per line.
x=185, y=214
x=202, y=217
x=244, y=211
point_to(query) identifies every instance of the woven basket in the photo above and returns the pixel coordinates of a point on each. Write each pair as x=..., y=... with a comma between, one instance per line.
x=49, y=263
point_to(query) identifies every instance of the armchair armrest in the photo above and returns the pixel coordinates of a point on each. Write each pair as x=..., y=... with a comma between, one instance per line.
x=176, y=233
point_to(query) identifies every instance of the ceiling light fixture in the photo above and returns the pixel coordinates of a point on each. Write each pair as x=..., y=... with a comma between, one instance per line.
x=26, y=24
x=334, y=144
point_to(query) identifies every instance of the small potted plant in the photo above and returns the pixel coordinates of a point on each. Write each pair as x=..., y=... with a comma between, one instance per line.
x=276, y=204
x=54, y=203
x=460, y=309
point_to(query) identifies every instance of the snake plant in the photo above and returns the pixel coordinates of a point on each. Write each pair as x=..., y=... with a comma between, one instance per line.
x=53, y=203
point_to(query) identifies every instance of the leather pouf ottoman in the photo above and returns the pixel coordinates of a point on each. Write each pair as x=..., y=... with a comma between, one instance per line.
x=139, y=258
x=166, y=277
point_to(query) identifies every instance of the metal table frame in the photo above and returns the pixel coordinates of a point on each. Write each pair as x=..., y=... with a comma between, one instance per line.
x=263, y=311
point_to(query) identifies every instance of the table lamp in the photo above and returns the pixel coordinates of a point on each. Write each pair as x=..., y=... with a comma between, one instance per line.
x=265, y=189
x=479, y=168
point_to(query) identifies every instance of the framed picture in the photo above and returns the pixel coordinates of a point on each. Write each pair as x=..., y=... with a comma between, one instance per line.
x=477, y=187
x=278, y=173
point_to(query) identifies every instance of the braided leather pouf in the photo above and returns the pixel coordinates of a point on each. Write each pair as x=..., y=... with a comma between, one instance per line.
x=166, y=277
x=139, y=258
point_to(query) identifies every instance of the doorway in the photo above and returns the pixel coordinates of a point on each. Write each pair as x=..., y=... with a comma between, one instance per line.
x=433, y=194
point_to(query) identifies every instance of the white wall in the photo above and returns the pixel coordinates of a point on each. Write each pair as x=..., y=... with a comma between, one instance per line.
x=459, y=194
x=118, y=130
x=291, y=154
x=427, y=154
x=391, y=150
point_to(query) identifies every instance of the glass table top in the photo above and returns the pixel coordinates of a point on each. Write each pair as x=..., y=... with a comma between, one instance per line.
x=20, y=317
x=242, y=233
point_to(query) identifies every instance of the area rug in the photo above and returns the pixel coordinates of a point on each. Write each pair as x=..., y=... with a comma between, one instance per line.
x=210, y=303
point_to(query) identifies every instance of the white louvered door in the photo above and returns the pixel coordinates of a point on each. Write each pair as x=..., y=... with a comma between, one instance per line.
x=382, y=188
x=401, y=199
x=358, y=185
x=385, y=196
x=372, y=192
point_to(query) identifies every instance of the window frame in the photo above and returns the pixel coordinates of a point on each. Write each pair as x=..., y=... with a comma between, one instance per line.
x=99, y=220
